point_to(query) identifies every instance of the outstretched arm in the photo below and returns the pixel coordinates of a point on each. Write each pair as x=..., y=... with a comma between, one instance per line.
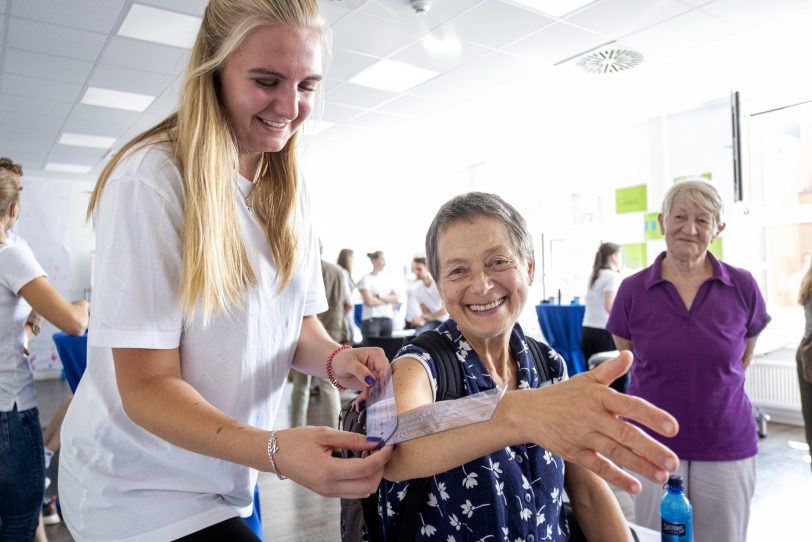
x=581, y=420
x=595, y=506
x=46, y=301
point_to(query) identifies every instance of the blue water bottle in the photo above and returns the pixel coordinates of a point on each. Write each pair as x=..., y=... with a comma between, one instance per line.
x=676, y=514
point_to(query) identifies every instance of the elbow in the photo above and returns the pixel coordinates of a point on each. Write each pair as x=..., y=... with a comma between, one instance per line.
x=77, y=327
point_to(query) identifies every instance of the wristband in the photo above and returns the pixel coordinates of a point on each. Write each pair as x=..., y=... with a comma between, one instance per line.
x=329, y=366
x=273, y=447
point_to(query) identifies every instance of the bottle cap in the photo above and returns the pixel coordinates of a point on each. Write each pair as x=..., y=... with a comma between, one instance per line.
x=675, y=480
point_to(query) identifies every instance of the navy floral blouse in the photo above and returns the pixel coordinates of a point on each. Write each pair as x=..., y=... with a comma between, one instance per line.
x=513, y=494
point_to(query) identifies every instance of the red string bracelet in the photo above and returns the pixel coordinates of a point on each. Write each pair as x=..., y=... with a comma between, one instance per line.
x=329, y=366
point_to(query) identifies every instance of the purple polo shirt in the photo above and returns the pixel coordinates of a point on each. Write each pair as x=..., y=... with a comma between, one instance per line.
x=689, y=363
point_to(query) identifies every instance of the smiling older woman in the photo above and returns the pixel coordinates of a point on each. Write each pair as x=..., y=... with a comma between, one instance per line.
x=692, y=323
x=506, y=476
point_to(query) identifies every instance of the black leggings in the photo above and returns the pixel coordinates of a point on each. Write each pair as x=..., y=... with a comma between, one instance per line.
x=595, y=340
x=231, y=529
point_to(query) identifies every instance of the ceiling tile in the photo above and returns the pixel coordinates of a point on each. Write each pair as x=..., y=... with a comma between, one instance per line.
x=40, y=88
x=445, y=91
x=31, y=126
x=69, y=154
x=399, y=10
x=617, y=18
x=191, y=7
x=329, y=83
x=118, y=78
x=556, y=43
x=3, y=6
x=332, y=12
x=679, y=34
x=47, y=66
x=371, y=35
x=34, y=106
x=747, y=13
x=358, y=96
x=94, y=15
x=347, y=64
x=497, y=68
x=145, y=56
x=384, y=122
x=340, y=113
x=410, y=105
x=440, y=53
x=88, y=119
x=57, y=40
x=477, y=25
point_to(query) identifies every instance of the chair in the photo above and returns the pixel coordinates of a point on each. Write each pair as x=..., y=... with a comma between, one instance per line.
x=390, y=345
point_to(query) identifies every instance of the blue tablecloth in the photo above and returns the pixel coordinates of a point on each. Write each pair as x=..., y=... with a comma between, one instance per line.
x=72, y=352
x=561, y=325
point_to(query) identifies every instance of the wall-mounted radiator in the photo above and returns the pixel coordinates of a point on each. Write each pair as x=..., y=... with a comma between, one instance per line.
x=773, y=387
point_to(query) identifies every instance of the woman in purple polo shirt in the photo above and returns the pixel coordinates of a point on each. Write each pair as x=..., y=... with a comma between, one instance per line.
x=692, y=322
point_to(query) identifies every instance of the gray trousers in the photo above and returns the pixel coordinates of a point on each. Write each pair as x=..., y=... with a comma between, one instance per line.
x=806, y=400
x=720, y=493
x=329, y=400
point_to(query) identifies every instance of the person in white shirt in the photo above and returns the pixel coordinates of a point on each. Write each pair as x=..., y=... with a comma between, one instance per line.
x=26, y=297
x=207, y=288
x=603, y=284
x=429, y=308
x=380, y=299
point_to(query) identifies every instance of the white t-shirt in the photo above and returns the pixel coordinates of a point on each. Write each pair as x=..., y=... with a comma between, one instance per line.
x=18, y=267
x=430, y=297
x=118, y=481
x=596, y=315
x=376, y=285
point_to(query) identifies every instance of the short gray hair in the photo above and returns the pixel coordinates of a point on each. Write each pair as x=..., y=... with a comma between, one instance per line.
x=468, y=207
x=699, y=192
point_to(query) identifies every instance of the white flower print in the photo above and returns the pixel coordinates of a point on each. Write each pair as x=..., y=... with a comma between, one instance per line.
x=540, y=516
x=451, y=538
x=470, y=479
x=494, y=468
x=441, y=489
x=484, y=538
x=457, y=524
x=525, y=483
x=523, y=384
x=402, y=492
x=433, y=503
x=555, y=495
x=468, y=508
x=548, y=457
x=524, y=513
x=500, y=491
x=506, y=532
x=519, y=539
x=426, y=530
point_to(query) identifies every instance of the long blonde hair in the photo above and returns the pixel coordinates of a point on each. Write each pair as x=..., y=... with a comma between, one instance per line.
x=216, y=268
x=806, y=287
x=9, y=194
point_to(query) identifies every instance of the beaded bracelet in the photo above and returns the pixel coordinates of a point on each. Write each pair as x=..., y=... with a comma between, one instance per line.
x=329, y=366
x=273, y=447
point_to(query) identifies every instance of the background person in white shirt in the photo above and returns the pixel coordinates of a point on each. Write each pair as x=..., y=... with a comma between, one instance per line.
x=207, y=288
x=430, y=309
x=26, y=297
x=603, y=284
x=380, y=299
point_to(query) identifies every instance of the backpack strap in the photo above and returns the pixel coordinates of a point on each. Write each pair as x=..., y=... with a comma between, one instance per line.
x=537, y=352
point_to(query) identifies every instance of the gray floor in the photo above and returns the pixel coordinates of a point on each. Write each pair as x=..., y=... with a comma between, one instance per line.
x=291, y=513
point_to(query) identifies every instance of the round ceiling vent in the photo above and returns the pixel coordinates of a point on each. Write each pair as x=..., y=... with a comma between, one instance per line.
x=610, y=60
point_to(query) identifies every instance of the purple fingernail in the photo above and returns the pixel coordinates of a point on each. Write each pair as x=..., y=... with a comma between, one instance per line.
x=361, y=405
x=369, y=380
x=374, y=439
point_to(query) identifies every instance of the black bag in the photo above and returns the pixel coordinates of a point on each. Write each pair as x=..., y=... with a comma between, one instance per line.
x=359, y=517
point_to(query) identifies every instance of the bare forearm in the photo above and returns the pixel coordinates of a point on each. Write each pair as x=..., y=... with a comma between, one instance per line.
x=313, y=348
x=596, y=508
x=173, y=410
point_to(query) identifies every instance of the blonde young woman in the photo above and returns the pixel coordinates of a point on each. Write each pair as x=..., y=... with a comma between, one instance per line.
x=26, y=297
x=207, y=288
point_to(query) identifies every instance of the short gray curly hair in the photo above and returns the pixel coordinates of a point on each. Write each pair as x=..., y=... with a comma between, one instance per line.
x=698, y=191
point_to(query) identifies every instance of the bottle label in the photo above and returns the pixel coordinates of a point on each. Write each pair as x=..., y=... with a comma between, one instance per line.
x=677, y=530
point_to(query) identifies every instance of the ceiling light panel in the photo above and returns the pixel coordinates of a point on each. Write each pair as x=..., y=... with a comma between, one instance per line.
x=67, y=168
x=117, y=99
x=393, y=76
x=86, y=140
x=160, y=26
x=556, y=8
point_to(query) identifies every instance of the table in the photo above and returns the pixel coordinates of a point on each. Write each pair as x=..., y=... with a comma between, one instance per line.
x=561, y=325
x=72, y=350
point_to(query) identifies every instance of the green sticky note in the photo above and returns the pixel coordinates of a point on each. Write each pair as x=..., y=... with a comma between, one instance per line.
x=634, y=256
x=651, y=227
x=715, y=248
x=631, y=199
